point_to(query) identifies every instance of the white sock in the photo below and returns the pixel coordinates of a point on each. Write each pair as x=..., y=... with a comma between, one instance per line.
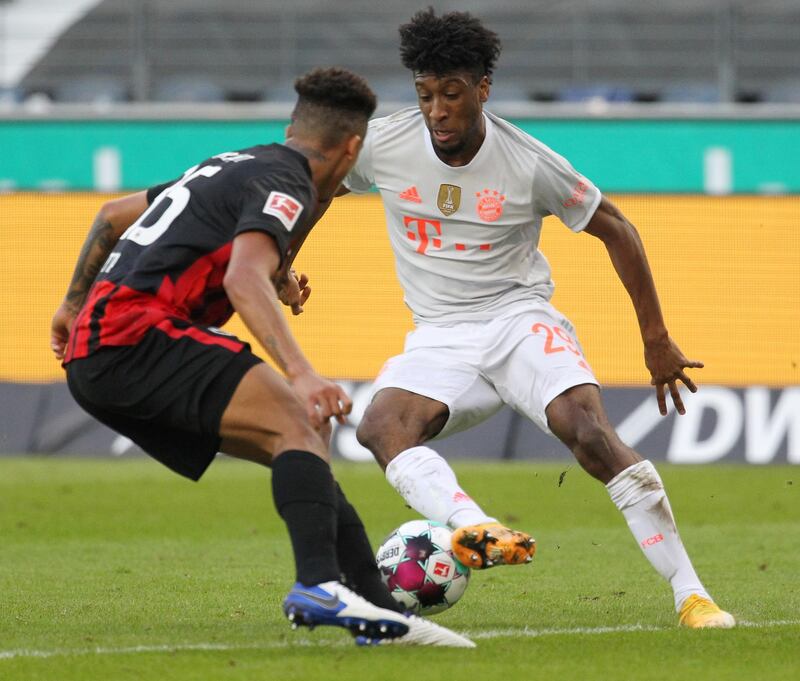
x=428, y=484
x=639, y=493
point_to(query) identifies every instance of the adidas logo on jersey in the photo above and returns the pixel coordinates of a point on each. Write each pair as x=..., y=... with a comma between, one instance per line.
x=410, y=194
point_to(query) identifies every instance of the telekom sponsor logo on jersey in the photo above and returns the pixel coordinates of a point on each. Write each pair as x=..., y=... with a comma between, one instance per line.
x=578, y=194
x=421, y=225
x=284, y=207
x=427, y=234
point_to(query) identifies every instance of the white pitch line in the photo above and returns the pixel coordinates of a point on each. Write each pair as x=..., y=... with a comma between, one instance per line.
x=627, y=628
x=306, y=642
x=162, y=648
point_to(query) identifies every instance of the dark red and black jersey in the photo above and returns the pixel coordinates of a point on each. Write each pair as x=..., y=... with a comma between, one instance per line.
x=167, y=268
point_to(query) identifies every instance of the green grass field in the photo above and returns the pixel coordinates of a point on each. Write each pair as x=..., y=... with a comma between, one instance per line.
x=122, y=570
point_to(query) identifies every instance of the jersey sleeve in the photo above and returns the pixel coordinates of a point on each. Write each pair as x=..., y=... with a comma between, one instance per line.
x=153, y=192
x=275, y=208
x=560, y=190
x=361, y=178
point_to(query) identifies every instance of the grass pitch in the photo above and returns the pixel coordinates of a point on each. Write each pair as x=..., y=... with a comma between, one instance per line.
x=122, y=570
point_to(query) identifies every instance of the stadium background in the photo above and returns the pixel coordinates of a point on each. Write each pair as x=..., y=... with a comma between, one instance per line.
x=709, y=177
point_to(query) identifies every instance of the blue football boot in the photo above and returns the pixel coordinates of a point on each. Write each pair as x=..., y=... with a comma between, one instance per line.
x=332, y=603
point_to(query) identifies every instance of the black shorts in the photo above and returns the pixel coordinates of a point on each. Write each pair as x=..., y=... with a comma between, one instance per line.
x=167, y=394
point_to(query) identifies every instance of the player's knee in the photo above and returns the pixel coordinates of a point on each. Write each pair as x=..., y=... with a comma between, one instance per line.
x=381, y=432
x=588, y=435
x=300, y=434
x=592, y=438
x=369, y=429
x=294, y=432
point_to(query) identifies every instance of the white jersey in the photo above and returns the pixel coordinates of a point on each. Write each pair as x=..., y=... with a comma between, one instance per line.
x=465, y=239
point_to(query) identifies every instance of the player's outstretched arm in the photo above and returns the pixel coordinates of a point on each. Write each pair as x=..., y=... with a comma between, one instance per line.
x=663, y=358
x=248, y=283
x=112, y=220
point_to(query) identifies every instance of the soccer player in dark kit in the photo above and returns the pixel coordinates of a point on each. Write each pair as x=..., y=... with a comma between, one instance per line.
x=137, y=332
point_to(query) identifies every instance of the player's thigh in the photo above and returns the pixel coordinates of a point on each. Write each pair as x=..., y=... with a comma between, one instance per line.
x=166, y=394
x=533, y=358
x=432, y=382
x=264, y=418
x=396, y=420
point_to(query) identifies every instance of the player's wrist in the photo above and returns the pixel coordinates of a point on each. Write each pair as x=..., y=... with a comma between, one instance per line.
x=298, y=370
x=71, y=306
x=655, y=335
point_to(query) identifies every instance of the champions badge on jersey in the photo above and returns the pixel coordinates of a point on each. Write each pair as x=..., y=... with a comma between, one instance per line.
x=449, y=198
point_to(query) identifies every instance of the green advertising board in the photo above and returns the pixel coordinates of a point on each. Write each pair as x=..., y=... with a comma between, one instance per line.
x=647, y=155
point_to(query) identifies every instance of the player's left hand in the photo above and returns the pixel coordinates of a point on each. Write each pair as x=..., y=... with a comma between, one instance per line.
x=59, y=329
x=293, y=291
x=322, y=398
x=666, y=364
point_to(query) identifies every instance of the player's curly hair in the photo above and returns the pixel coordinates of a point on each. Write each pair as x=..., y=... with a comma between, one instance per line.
x=333, y=102
x=455, y=41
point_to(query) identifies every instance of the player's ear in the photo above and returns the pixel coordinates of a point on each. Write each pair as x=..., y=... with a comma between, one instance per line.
x=483, y=89
x=353, y=145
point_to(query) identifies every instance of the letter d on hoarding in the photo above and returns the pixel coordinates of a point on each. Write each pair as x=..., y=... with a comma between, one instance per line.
x=686, y=446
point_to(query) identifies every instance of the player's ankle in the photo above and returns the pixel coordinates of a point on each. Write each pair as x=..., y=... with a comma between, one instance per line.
x=468, y=516
x=682, y=594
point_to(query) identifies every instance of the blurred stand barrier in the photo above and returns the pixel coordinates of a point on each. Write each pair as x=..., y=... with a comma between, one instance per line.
x=727, y=268
x=623, y=147
x=754, y=425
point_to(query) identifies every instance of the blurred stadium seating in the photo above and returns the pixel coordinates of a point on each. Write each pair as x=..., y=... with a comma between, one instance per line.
x=188, y=88
x=672, y=50
x=90, y=89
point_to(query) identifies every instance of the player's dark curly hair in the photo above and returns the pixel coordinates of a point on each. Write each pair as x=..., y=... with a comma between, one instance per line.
x=333, y=102
x=455, y=41
x=336, y=88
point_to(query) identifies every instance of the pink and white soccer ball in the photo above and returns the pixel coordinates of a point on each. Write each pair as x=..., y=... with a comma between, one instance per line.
x=419, y=568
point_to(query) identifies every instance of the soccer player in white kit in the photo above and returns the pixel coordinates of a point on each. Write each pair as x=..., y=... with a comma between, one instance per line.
x=464, y=194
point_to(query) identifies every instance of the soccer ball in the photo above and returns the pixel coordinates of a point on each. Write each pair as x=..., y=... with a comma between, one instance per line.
x=419, y=568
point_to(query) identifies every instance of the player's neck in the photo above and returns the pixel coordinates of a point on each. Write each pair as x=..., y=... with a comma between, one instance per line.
x=323, y=166
x=463, y=154
x=311, y=152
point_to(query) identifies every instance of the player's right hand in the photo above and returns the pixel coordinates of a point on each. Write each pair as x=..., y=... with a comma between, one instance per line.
x=59, y=329
x=667, y=365
x=293, y=291
x=322, y=398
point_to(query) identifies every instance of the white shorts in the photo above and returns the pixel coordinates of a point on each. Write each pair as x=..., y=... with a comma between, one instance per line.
x=525, y=359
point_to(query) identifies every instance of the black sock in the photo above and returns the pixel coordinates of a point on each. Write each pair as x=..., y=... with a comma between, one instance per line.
x=304, y=494
x=356, y=558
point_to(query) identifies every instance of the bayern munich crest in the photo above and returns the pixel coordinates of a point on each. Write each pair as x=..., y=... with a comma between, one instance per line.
x=490, y=204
